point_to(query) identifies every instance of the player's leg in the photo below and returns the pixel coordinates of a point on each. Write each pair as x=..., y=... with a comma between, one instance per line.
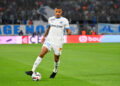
x=57, y=52
x=56, y=64
x=38, y=60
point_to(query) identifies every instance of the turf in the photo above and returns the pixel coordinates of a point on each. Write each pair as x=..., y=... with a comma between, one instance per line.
x=80, y=65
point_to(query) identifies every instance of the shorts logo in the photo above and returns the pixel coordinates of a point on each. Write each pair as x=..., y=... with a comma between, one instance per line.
x=60, y=49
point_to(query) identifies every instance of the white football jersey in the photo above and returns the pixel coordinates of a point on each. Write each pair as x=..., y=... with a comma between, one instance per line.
x=56, y=32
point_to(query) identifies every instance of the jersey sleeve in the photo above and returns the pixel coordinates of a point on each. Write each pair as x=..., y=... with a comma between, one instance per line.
x=67, y=24
x=49, y=24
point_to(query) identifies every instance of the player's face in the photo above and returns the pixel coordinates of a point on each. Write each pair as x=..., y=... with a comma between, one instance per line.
x=58, y=12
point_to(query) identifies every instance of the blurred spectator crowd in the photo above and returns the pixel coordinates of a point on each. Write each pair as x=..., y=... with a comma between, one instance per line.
x=82, y=11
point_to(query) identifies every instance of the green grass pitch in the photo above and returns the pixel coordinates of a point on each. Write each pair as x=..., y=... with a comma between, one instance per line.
x=80, y=65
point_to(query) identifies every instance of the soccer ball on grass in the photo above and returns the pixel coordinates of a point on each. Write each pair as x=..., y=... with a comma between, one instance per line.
x=36, y=76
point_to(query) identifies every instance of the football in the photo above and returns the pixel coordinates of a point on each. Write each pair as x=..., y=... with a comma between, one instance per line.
x=36, y=76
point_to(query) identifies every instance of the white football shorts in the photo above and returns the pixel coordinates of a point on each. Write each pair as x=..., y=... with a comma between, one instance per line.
x=56, y=48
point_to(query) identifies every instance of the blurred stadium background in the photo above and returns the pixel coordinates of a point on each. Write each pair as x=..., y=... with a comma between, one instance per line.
x=86, y=17
x=93, y=61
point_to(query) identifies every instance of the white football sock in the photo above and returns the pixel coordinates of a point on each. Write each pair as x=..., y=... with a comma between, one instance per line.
x=56, y=64
x=36, y=63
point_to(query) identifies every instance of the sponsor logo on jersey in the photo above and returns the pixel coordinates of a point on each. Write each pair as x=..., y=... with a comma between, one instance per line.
x=61, y=22
x=57, y=26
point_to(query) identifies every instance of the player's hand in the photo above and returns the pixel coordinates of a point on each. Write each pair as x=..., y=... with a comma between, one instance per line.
x=69, y=32
x=43, y=39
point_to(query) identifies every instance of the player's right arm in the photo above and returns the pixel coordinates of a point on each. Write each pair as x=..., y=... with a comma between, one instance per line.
x=46, y=33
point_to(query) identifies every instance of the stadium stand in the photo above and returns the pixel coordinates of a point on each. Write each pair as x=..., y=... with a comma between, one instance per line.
x=82, y=11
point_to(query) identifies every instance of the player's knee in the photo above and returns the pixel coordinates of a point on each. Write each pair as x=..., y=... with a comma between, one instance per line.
x=42, y=55
x=43, y=52
x=56, y=58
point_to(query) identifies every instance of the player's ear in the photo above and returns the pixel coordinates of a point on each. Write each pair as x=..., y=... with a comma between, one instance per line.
x=61, y=11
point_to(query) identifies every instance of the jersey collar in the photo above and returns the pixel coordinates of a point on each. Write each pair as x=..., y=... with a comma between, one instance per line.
x=58, y=18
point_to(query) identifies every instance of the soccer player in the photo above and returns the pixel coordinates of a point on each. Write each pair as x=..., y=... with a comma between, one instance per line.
x=54, y=39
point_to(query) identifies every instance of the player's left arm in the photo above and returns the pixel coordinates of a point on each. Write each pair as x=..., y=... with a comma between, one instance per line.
x=67, y=27
x=68, y=31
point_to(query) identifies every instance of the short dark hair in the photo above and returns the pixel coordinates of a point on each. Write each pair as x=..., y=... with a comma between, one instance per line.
x=58, y=7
